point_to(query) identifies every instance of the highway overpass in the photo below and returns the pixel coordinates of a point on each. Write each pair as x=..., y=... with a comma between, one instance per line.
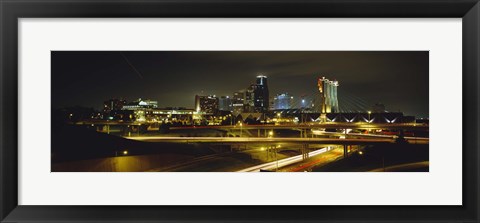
x=313, y=125
x=256, y=140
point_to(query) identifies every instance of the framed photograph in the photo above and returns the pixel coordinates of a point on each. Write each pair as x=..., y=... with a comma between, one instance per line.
x=277, y=111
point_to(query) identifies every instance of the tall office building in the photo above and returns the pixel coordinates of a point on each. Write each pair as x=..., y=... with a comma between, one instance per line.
x=328, y=95
x=283, y=101
x=256, y=96
x=238, y=97
x=238, y=102
x=249, y=102
x=261, y=95
x=225, y=103
x=271, y=102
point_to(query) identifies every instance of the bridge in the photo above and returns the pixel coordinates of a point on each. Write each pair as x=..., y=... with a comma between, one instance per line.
x=272, y=144
x=255, y=140
x=310, y=125
x=327, y=125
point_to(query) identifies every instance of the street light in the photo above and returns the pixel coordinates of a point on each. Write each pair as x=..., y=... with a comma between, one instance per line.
x=369, y=112
x=241, y=129
x=270, y=133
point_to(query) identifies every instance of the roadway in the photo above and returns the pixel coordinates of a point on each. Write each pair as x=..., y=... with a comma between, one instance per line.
x=327, y=125
x=275, y=165
x=258, y=140
x=362, y=135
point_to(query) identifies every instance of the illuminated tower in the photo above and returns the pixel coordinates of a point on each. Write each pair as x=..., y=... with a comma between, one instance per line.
x=261, y=95
x=333, y=95
x=328, y=95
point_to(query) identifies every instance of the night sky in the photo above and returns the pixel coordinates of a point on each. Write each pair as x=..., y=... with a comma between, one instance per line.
x=399, y=80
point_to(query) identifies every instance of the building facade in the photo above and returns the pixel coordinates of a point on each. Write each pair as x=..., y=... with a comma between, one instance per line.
x=261, y=94
x=328, y=96
x=249, y=101
x=225, y=103
x=140, y=104
x=283, y=101
x=207, y=104
x=140, y=108
x=238, y=101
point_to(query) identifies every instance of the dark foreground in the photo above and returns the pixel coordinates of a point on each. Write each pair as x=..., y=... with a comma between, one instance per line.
x=78, y=149
x=378, y=158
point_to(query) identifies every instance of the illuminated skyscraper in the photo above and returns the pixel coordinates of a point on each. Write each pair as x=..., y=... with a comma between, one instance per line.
x=257, y=96
x=283, y=101
x=328, y=95
x=260, y=90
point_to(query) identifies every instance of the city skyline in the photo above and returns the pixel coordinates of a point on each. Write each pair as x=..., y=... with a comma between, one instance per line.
x=406, y=90
x=229, y=111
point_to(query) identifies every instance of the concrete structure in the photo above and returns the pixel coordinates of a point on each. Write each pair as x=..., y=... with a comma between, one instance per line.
x=383, y=117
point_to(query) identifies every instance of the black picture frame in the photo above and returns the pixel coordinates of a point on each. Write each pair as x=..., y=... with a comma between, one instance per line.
x=12, y=10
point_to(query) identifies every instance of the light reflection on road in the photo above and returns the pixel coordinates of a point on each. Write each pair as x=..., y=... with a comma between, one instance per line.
x=283, y=162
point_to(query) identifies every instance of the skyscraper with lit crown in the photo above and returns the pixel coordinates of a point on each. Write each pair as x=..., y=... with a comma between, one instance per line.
x=328, y=95
x=261, y=95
